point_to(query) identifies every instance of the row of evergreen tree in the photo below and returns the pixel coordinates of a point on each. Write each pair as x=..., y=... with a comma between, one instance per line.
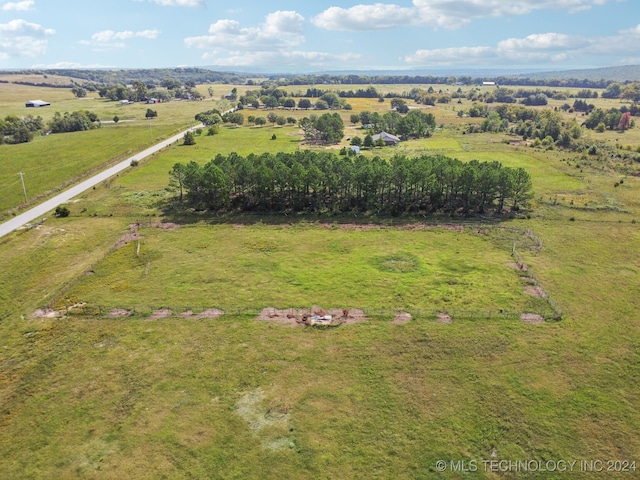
x=322, y=182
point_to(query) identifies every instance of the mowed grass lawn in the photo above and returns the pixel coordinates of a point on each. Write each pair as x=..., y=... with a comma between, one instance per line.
x=295, y=266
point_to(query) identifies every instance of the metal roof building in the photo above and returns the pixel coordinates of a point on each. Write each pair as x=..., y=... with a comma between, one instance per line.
x=37, y=103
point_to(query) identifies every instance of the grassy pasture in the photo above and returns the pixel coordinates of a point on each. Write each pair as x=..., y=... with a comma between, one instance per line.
x=430, y=270
x=235, y=398
x=49, y=162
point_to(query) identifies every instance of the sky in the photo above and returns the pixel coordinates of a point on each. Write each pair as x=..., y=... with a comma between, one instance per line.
x=319, y=35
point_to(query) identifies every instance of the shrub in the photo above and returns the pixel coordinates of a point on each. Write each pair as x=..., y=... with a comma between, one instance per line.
x=189, y=138
x=61, y=211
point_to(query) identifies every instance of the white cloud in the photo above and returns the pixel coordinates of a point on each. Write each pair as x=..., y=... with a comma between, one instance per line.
x=450, y=14
x=111, y=39
x=364, y=17
x=281, y=30
x=274, y=42
x=543, y=41
x=20, y=38
x=541, y=48
x=177, y=3
x=281, y=58
x=73, y=65
x=450, y=56
x=19, y=6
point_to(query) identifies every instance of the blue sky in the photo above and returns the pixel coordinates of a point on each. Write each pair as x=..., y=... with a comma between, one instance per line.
x=319, y=35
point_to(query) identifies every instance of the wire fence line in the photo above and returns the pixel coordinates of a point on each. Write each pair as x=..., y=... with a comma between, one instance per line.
x=202, y=312
x=527, y=272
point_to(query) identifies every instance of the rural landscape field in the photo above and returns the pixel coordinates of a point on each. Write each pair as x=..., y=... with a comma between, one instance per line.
x=151, y=332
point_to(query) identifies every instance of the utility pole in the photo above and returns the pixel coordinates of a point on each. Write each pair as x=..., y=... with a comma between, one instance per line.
x=23, y=187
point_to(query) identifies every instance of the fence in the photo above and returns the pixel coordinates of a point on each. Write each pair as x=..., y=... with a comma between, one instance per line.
x=200, y=312
x=176, y=310
x=528, y=273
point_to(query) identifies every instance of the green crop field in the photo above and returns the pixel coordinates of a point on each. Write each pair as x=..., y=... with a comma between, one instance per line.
x=86, y=395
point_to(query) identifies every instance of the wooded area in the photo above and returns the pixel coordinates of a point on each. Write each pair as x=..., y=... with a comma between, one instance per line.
x=322, y=182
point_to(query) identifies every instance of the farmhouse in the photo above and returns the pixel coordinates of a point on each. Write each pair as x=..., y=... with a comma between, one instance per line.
x=387, y=138
x=37, y=103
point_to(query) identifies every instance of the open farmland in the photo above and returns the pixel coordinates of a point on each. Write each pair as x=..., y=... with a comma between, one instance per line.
x=50, y=162
x=90, y=396
x=426, y=270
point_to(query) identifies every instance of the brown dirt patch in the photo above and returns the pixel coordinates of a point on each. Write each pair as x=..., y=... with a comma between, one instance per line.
x=444, y=318
x=123, y=240
x=535, y=291
x=46, y=313
x=518, y=266
x=531, y=318
x=294, y=317
x=209, y=313
x=118, y=312
x=161, y=313
x=289, y=316
x=401, y=318
x=165, y=225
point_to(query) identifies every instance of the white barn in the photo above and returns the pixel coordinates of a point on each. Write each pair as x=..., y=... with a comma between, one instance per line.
x=37, y=103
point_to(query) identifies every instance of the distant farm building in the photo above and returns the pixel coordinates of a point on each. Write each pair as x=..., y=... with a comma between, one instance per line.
x=387, y=138
x=489, y=84
x=37, y=103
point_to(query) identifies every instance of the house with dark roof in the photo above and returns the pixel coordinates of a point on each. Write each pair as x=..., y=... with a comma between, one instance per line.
x=387, y=138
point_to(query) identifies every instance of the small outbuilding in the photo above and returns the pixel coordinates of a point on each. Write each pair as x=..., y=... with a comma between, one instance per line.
x=387, y=138
x=37, y=104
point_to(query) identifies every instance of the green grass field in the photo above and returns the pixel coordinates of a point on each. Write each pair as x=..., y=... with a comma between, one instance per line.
x=290, y=266
x=49, y=162
x=231, y=397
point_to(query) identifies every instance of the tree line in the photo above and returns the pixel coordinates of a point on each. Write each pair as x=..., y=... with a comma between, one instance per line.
x=414, y=124
x=14, y=129
x=322, y=182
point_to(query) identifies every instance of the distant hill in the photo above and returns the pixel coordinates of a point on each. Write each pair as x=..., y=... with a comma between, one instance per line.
x=596, y=77
x=623, y=73
x=128, y=76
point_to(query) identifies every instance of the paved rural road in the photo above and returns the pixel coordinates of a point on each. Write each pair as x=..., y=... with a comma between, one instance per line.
x=44, y=208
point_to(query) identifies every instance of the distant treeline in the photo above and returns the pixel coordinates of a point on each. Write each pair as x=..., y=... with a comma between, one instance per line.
x=154, y=76
x=322, y=182
x=199, y=75
x=43, y=84
x=441, y=80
